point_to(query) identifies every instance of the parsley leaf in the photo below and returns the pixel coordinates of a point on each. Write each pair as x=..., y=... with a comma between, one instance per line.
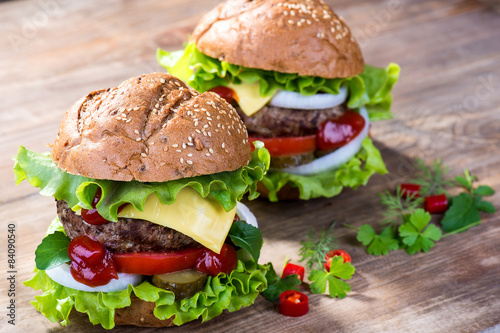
x=336, y=287
x=464, y=211
x=247, y=237
x=275, y=285
x=378, y=244
x=315, y=248
x=53, y=251
x=413, y=235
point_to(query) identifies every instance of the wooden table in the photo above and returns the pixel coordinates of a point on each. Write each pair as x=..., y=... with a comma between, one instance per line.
x=446, y=105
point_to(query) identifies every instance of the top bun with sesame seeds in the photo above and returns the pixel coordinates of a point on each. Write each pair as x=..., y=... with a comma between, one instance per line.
x=151, y=128
x=289, y=36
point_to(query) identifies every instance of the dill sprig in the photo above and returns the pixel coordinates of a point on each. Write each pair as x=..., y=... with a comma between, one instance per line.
x=314, y=249
x=432, y=178
x=397, y=207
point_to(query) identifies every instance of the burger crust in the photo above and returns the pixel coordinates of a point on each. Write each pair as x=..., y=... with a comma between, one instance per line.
x=151, y=128
x=140, y=313
x=289, y=36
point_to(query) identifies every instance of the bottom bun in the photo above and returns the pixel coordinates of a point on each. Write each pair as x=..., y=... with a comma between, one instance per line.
x=140, y=313
x=287, y=192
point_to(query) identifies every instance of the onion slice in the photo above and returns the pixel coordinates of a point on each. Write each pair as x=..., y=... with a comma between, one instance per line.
x=62, y=275
x=246, y=215
x=295, y=100
x=335, y=159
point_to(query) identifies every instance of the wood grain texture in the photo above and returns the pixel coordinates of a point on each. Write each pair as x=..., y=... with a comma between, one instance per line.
x=446, y=105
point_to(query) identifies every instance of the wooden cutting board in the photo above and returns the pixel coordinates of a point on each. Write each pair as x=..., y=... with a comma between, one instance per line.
x=446, y=106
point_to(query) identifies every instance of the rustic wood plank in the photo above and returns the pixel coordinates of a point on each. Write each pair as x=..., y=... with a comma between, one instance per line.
x=446, y=105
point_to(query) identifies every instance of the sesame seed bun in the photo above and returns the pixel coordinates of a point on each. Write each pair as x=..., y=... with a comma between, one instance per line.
x=152, y=128
x=296, y=36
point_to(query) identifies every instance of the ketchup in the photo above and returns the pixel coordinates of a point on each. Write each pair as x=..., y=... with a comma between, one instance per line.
x=91, y=263
x=335, y=133
x=224, y=92
x=212, y=263
x=92, y=216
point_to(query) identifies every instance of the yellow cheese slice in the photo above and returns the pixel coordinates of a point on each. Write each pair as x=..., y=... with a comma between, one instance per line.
x=248, y=97
x=202, y=219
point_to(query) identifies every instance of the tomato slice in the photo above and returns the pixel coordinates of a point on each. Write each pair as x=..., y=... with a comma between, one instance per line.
x=293, y=269
x=153, y=263
x=285, y=146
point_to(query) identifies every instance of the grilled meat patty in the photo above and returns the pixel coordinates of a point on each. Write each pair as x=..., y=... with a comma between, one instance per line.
x=272, y=121
x=126, y=235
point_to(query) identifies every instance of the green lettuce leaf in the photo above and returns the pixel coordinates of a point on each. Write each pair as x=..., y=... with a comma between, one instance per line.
x=238, y=289
x=371, y=89
x=227, y=187
x=354, y=173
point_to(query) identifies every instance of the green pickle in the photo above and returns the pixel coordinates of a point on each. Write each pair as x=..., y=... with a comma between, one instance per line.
x=183, y=284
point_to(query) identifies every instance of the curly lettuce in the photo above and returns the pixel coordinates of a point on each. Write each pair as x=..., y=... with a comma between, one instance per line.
x=78, y=191
x=371, y=89
x=354, y=173
x=232, y=292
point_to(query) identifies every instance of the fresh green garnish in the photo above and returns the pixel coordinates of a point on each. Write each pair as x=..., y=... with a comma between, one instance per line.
x=313, y=250
x=336, y=287
x=464, y=211
x=413, y=235
x=397, y=207
x=432, y=179
x=276, y=285
x=247, y=237
x=53, y=251
x=380, y=244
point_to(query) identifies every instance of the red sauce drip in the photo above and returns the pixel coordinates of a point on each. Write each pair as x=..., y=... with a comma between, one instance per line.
x=212, y=263
x=92, y=216
x=91, y=263
x=335, y=133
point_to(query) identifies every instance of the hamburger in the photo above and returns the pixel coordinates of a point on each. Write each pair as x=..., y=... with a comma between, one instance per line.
x=147, y=179
x=296, y=75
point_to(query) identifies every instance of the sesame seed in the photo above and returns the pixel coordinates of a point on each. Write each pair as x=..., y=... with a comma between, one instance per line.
x=138, y=139
x=118, y=118
x=162, y=163
x=209, y=134
x=290, y=21
x=189, y=155
x=175, y=145
x=299, y=24
x=285, y=12
x=184, y=145
x=177, y=83
x=128, y=120
x=143, y=155
x=166, y=148
x=189, y=162
x=178, y=150
x=182, y=160
x=207, y=154
x=190, y=139
x=198, y=131
x=136, y=131
x=223, y=145
x=190, y=144
x=292, y=13
x=211, y=150
x=124, y=115
x=136, y=108
x=162, y=80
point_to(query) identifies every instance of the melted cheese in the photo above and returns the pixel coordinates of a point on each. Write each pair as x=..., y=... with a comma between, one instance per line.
x=249, y=98
x=202, y=219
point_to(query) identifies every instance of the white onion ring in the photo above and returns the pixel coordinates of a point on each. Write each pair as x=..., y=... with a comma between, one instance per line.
x=335, y=159
x=246, y=215
x=62, y=275
x=295, y=100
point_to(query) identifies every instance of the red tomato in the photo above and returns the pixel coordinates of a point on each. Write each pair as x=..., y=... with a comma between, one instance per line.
x=293, y=269
x=293, y=303
x=212, y=263
x=153, y=263
x=410, y=189
x=335, y=253
x=227, y=93
x=436, y=203
x=91, y=263
x=335, y=133
x=284, y=146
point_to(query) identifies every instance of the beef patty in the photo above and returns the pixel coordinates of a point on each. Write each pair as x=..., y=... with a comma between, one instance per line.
x=126, y=235
x=272, y=121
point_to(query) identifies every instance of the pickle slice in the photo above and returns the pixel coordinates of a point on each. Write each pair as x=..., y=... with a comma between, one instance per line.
x=183, y=284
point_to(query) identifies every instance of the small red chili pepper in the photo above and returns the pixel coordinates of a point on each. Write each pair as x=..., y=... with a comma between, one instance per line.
x=410, y=190
x=436, y=203
x=334, y=253
x=293, y=303
x=293, y=269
